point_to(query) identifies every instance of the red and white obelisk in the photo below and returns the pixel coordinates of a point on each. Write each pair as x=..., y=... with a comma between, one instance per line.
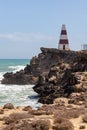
x=63, y=41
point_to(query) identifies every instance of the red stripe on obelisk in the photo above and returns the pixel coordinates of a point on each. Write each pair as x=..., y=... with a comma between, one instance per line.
x=63, y=32
x=63, y=41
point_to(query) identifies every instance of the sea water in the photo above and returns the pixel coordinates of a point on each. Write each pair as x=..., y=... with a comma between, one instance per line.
x=18, y=95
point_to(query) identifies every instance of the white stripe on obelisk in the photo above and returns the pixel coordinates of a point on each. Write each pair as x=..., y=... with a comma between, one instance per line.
x=62, y=37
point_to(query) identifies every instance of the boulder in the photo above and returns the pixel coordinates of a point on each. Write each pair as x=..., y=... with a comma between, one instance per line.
x=8, y=106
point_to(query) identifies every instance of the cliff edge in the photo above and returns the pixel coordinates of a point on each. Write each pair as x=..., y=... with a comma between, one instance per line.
x=55, y=73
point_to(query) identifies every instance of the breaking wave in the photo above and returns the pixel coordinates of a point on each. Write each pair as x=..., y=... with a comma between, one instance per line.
x=16, y=68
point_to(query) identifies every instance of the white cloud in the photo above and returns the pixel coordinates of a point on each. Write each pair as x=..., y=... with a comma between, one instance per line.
x=26, y=37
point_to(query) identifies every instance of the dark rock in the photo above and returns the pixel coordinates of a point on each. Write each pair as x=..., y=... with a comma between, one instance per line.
x=20, y=77
x=43, y=64
x=68, y=78
x=53, y=72
x=55, y=86
x=8, y=106
x=82, y=127
x=1, y=111
x=27, y=108
x=38, y=112
x=27, y=69
x=8, y=75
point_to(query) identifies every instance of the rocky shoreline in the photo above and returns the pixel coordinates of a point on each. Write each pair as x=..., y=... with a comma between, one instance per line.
x=55, y=74
x=60, y=79
x=63, y=114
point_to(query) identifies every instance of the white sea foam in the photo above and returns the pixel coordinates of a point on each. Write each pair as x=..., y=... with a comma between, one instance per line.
x=16, y=68
x=19, y=95
x=13, y=69
x=1, y=75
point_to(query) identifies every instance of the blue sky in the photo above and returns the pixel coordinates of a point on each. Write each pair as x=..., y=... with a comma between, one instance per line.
x=26, y=25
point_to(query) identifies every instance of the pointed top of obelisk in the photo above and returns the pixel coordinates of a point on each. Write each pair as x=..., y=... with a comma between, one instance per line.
x=63, y=30
x=63, y=27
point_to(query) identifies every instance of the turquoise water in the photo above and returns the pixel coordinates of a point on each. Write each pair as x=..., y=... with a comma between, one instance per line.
x=11, y=64
x=18, y=95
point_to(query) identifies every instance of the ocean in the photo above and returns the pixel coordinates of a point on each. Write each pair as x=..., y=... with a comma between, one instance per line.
x=18, y=95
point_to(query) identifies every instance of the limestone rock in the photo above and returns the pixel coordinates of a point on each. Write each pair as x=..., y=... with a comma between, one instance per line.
x=55, y=73
x=8, y=106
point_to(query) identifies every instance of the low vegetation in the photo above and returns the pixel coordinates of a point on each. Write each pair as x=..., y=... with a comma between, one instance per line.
x=62, y=124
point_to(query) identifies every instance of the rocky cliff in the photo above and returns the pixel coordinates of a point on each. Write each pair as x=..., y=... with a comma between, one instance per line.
x=55, y=73
x=66, y=73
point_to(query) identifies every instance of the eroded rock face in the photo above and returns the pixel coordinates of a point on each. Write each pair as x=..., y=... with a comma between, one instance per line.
x=43, y=63
x=22, y=77
x=56, y=73
x=38, y=65
x=55, y=85
x=62, y=78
